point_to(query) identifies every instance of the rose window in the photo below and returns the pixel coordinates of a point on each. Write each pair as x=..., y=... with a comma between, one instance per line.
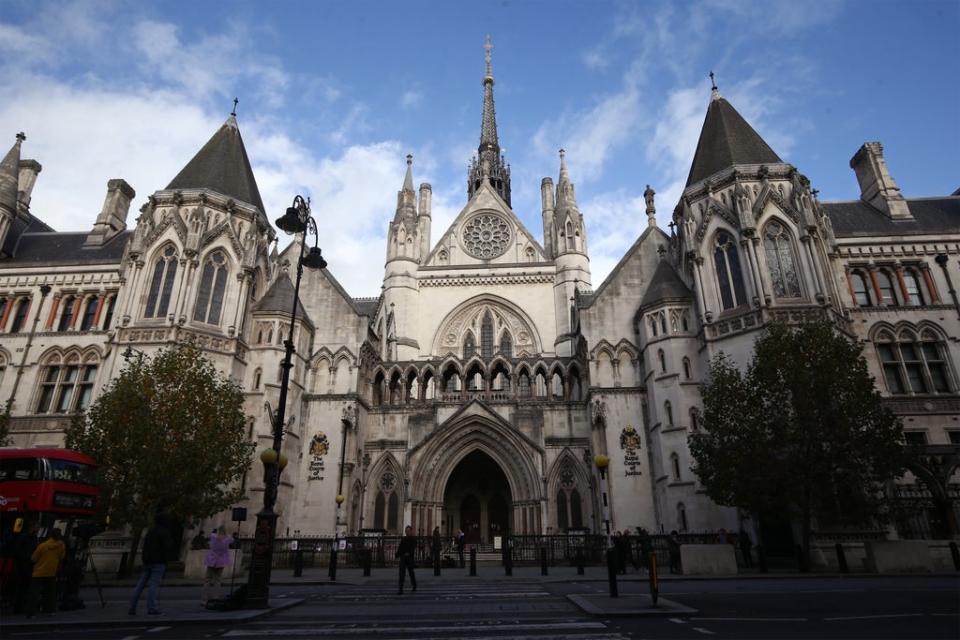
x=486, y=236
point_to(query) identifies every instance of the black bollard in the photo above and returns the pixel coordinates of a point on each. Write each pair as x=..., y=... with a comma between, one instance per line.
x=333, y=564
x=841, y=559
x=612, y=571
x=436, y=562
x=956, y=555
x=654, y=579
x=543, y=561
x=473, y=561
x=761, y=559
x=580, y=563
x=367, y=560
x=507, y=557
x=298, y=563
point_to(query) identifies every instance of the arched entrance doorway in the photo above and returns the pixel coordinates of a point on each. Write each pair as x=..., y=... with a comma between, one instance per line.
x=477, y=499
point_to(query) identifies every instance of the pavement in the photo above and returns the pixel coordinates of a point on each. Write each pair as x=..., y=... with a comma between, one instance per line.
x=561, y=605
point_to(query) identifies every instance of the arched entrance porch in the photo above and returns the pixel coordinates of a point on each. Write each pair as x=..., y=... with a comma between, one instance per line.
x=477, y=500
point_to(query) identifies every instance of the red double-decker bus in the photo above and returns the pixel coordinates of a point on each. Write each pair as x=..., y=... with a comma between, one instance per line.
x=47, y=485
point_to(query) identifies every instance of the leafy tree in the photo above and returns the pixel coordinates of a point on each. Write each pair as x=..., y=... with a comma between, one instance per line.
x=168, y=434
x=5, y=425
x=802, y=433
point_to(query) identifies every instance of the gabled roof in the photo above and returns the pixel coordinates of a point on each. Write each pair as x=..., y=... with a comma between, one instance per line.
x=653, y=234
x=222, y=165
x=930, y=215
x=725, y=140
x=665, y=285
x=63, y=248
x=279, y=299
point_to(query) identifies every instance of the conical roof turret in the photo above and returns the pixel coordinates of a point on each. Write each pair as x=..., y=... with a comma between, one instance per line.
x=222, y=165
x=10, y=175
x=726, y=140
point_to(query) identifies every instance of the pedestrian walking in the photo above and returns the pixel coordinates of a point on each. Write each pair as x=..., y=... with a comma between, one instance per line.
x=628, y=550
x=23, y=548
x=621, y=553
x=436, y=547
x=218, y=558
x=461, y=543
x=405, y=552
x=743, y=538
x=646, y=548
x=47, y=558
x=158, y=548
x=674, y=546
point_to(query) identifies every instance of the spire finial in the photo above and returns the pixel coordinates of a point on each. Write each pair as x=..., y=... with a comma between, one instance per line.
x=236, y=101
x=651, y=207
x=21, y=136
x=714, y=91
x=488, y=46
x=408, y=178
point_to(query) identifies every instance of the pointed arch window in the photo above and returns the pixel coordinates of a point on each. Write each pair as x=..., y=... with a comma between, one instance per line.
x=681, y=516
x=20, y=315
x=66, y=385
x=469, y=346
x=562, y=521
x=914, y=366
x=66, y=314
x=675, y=466
x=729, y=276
x=781, y=261
x=686, y=368
x=161, y=286
x=861, y=293
x=213, y=283
x=506, y=345
x=912, y=283
x=668, y=413
x=486, y=336
x=576, y=510
x=111, y=302
x=90, y=313
x=523, y=384
x=662, y=360
x=885, y=284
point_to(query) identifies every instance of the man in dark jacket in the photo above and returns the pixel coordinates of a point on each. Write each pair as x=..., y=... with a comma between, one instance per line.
x=158, y=548
x=406, y=551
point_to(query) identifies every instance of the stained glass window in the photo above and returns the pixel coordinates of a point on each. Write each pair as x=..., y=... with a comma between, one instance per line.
x=486, y=336
x=213, y=282
x=781, y=261
x=729, y=276
x=161, y=287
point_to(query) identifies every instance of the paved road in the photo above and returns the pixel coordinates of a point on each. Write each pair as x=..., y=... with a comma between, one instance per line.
x=821, y=608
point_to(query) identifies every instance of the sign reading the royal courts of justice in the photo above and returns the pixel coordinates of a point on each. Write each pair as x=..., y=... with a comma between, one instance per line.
x=630, y=444
x=319, y=447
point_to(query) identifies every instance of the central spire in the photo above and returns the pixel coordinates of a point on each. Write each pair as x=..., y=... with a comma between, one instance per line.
x=489, y=165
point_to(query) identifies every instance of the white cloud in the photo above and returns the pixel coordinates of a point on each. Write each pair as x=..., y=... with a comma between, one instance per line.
x=411, y=98
x=614, y=221
x=595, y=58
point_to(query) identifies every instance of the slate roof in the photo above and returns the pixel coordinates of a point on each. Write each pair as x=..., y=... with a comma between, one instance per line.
x=725, y=140
x=665, y=285
x=858, y=218
x=58, y=248
x=279, y=297
x=23, y=223
x=222, y=165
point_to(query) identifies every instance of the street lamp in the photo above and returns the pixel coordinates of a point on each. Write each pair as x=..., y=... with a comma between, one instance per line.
x=602, y=462
x=296, y=220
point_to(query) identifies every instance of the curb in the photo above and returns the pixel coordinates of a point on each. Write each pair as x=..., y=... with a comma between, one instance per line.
x=663, y=608
x=243, y=615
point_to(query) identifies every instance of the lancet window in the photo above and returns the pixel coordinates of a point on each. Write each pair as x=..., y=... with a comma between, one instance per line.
x=161, y=285
x=729, y=275
x=781, y=261
x=213, y=283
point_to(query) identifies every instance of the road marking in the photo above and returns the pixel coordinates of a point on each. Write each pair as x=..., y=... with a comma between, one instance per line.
x=876, y=617
x=752, y=619
x=130, y=638
x=677, y=621
x=366, y=630
x=704, y=631
x=945, y=615
x=156, y=629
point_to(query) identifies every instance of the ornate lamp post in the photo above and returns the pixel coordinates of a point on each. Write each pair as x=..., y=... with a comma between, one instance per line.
x=602, y=462
x=296, y=220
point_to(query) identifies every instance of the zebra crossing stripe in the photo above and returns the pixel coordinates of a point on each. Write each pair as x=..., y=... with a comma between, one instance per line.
x=421, y=630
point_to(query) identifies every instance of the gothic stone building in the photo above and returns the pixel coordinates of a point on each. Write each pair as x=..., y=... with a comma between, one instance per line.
x=479, y=388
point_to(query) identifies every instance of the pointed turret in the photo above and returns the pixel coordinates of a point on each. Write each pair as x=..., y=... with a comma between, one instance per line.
x=489, y=164
x=570, y=257
x=222, y=165
x=571, y=232
x=407, y=197
x=726, y=140
x=10, y=176
x=403, y=236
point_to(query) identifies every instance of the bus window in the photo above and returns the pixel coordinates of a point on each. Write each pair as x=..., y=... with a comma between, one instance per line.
x=19, y=469
x=68, y=471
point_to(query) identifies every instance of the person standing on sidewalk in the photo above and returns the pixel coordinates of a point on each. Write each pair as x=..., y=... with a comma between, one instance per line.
x=461, y=543
x=23, y=547
x=158, y=547
x=406, y=551
x=436, y=547
x=218, y=557
x=47, y=558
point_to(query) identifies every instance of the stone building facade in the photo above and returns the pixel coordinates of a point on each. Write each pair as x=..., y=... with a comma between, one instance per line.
x=479, y=389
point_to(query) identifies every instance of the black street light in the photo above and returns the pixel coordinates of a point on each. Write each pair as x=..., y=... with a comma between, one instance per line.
x=296, y=220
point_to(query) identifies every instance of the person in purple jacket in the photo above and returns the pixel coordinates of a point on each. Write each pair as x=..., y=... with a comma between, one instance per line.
x=218, y=557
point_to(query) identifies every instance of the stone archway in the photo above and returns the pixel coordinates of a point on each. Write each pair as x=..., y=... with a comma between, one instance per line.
x=476, y=435
x=477, y=500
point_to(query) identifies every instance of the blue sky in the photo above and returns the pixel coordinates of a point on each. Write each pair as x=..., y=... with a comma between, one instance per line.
x=333, y=95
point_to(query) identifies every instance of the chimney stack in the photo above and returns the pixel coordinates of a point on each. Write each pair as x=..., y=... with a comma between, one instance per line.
x=877, y=186
x=113, y=218
x=29, y=170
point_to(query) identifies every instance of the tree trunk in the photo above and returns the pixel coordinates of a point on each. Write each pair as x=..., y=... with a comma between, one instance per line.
x=131, y=558
x=805, y=539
